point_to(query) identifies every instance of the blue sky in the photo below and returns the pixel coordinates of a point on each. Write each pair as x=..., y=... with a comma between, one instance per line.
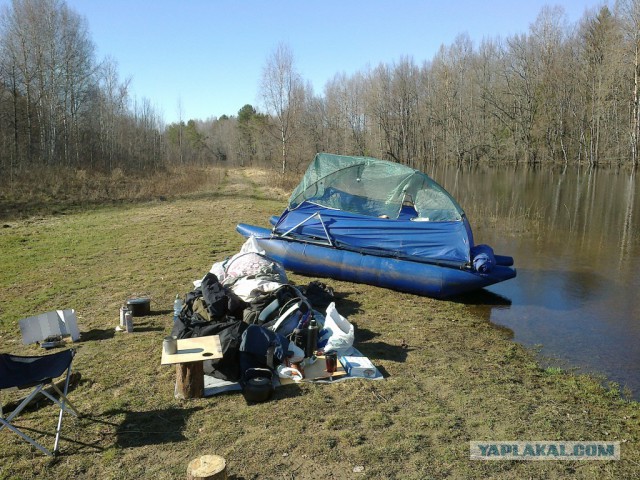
x=208, y=55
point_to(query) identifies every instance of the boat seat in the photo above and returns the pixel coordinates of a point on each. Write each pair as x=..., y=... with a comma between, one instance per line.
x=407, y=212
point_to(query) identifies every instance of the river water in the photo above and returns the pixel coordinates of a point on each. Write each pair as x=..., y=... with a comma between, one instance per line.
x=575, y=237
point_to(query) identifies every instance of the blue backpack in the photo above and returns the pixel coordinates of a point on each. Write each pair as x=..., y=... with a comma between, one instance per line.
x=262, y=348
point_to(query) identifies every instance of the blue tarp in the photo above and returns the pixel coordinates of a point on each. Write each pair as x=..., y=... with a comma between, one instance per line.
x=483, y=258
x=448, y=241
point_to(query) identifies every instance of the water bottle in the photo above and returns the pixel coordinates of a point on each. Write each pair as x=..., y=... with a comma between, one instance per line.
x=123, y=311
x=177, y=307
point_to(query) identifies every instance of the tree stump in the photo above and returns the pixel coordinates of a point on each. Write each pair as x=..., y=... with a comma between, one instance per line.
x=189, y=380
x=207, y=467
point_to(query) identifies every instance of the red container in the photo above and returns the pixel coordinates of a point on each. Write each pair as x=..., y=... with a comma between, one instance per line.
x=331, y=362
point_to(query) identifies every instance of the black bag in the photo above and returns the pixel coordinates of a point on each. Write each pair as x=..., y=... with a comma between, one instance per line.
x=208, y=304
x=230, y=332
x=220, y=301
x=318, y=294
x=267, y=307
x=228, y=367
x=262, y=348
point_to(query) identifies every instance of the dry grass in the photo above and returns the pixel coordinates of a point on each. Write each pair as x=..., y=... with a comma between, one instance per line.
x=503, y=215
x=451, y=376
x=44, y=191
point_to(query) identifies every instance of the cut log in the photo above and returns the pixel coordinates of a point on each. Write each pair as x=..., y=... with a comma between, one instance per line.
x=207, y=467
x=189, y=380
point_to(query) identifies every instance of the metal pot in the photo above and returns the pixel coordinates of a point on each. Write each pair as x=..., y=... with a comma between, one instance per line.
x=139, y=306
x=257, y=385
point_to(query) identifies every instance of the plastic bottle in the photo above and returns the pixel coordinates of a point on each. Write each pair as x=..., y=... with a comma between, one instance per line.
x=177, y=307
x=312, y=338
x=123, y=311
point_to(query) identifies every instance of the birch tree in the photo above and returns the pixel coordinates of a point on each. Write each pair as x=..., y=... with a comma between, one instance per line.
x=629, y=11
x=281, y=88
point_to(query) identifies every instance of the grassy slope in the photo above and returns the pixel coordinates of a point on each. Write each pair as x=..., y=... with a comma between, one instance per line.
x=459, y=379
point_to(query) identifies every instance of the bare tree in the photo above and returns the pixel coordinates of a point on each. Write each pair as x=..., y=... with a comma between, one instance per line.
x=281, y=88
x=629, y=11
x=47, y=48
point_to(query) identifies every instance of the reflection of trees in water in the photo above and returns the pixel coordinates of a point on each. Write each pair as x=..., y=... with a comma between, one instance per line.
x=580, y=286
x=556, y=204
x=578, y=259
x=589, y=207
x=626, y=238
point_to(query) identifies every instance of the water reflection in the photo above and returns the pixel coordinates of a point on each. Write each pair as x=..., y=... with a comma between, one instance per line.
x=574, y=234
x=482, y=297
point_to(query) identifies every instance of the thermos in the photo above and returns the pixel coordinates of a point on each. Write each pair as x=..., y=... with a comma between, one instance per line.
x=312, y=338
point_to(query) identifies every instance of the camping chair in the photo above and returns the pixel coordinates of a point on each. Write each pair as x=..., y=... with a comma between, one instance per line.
x=26, y=372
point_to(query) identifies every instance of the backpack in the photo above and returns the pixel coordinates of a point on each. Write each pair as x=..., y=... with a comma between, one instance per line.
x=266, y=308
x=220, y=301
x=261, y=348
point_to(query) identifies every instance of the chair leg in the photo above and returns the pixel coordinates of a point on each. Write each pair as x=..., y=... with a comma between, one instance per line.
x=25, y=437
x=23, y=404
x=63, y=402
x=58, y=429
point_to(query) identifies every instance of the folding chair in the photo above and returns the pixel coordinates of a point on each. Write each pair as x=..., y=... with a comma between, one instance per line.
x=27, y=372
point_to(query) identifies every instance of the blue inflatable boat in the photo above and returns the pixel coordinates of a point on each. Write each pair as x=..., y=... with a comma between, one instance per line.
x=372, y=221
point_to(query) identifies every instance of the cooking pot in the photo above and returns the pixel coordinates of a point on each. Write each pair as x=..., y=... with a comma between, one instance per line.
x=139, y=307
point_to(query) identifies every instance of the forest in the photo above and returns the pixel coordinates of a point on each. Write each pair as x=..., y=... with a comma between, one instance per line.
x=560, y=93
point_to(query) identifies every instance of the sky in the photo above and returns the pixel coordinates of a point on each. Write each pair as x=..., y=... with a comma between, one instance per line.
x=198, y=59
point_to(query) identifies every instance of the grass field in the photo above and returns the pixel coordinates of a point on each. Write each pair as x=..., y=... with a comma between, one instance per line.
x=451, y=376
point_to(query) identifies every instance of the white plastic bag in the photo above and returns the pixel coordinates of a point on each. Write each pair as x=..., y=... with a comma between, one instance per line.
x=341, y=332
x=288, y=372
x=251, y=246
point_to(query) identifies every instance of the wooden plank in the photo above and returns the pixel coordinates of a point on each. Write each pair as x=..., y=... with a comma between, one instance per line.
x=194, y=349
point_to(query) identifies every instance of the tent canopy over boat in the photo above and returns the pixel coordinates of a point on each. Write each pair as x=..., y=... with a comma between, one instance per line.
x=377, y=207
x=373, y=187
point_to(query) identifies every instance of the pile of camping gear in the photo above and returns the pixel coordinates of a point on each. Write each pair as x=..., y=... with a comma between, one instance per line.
x=266, y=325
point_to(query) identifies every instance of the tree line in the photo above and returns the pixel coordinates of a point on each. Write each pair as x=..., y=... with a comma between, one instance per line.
x=59, y=106
x=558, y=93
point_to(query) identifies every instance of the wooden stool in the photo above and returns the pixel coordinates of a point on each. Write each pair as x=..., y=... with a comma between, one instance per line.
x=189, y=380
x=188, y=361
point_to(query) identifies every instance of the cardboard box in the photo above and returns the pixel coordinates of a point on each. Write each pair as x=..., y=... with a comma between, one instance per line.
x=358, y=366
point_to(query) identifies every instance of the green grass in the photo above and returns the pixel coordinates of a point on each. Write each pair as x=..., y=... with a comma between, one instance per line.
x=451, y=376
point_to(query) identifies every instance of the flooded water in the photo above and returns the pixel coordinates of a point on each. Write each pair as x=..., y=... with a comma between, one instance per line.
x=575, y=238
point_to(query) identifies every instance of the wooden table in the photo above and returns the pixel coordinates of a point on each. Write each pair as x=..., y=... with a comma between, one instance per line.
x=188, y=361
